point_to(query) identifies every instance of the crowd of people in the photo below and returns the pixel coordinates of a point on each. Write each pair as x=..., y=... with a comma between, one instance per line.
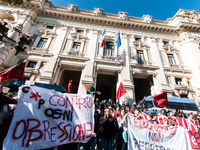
x=110, y=123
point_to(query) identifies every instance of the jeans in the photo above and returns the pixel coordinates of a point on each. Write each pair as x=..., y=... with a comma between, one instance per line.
x=120, y=139
x=109, y=143
x=90, y=145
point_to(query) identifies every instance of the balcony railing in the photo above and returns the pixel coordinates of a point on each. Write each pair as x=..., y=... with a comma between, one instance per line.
x=111, y=58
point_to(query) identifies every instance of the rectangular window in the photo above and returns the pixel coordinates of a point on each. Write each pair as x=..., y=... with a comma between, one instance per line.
x=137, y=39
x=165, y=42
x=140, y=55
x=76, y=47
x=178, y=80
x=50, y=27
x=109, y=49
x=171, y=59
x=42, y=43
x=31, y=64
x=80, y=31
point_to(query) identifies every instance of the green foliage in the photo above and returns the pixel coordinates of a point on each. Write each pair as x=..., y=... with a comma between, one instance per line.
x=17, y=3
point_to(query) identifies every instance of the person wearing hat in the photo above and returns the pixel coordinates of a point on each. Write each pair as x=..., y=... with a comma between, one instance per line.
x=117, y=104
x=123, y=104
x=97, y=102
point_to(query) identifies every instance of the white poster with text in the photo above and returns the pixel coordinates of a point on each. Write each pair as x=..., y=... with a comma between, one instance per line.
x=144, y=135
x=45, y=118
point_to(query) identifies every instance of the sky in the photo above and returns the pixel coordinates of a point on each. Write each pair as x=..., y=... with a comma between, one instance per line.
x=159, y=9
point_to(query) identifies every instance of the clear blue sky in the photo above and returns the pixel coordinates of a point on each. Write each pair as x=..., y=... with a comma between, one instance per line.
x=159, y=9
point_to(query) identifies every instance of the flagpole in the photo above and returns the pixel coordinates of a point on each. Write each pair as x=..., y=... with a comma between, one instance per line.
x=104, y=43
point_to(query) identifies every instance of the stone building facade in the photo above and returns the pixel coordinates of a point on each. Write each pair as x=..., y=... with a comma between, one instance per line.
x=155, y=55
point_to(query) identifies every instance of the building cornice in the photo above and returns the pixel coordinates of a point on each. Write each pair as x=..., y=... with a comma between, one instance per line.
x=106, y=19
x=120, y=20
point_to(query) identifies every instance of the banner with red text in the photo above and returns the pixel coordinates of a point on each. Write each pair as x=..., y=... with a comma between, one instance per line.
x=45, y=118
x=144, y=135
x=192, y=127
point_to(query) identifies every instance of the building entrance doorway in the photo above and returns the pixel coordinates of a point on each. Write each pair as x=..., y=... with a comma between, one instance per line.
x=106, y=84
x=142, y=88
x=70, y=75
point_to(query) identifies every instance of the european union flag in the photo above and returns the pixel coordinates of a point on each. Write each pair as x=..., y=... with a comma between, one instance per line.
x=118, y=40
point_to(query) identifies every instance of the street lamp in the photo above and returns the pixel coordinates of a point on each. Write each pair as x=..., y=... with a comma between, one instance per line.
x=7, y=42
x=25, y=40
x=15, y=2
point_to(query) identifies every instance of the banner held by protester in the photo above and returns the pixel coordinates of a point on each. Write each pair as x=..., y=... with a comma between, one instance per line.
x=143, y=134
x=44, y=118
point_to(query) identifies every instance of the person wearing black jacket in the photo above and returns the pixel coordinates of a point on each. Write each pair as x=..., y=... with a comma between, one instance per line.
x=5, y=119
x=90, y=145
x=107, y=130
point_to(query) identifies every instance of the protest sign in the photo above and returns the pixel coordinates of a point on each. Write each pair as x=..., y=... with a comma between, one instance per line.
x=144, y=135
x=45, y=118
x=192, y=127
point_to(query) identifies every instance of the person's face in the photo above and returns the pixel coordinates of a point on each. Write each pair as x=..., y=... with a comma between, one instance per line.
x=127, y=109
x=173, y=122
x=99, y=110
x=122, y=112
x=109, y=107
x=111, y=111
x=117, y=109
x=144, y=110
x=136, y=112
x=171, y=114
x=155, y=117
x=107, y=112
x=181, y=110
x=190, y=116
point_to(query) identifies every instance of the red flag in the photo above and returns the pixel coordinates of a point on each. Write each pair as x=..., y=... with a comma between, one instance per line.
x=161, y=99
x=121, y=91
x=15, y=72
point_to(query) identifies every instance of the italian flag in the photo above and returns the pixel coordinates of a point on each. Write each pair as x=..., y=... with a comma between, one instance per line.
x=103, y=38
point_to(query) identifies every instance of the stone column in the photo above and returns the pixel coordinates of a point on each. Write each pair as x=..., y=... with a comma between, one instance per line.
x=4, y=49
x=81, y=88
x=163, y=86
x=82, y=47
x=88, y=75
x=127, y=78
x=23, y=25
x=52, y=63
x=7, y=46
x=176, y=59
x=190, y=53
x=145, y=55
x=115, y=50
x=70, y=45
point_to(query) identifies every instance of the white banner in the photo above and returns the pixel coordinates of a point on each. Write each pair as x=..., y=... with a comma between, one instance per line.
x=144, y=135
x=44, y=118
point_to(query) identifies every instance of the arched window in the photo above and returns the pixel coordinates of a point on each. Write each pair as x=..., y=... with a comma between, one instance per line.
x=109, y=49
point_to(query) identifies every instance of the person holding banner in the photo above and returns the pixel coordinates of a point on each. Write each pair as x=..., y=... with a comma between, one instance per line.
x=107, y=130
x=120, y=119
x=170, y=122
x=5, y=114
x=154, y=117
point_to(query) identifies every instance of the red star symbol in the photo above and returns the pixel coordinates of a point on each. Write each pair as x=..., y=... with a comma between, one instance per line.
x=35, y=96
